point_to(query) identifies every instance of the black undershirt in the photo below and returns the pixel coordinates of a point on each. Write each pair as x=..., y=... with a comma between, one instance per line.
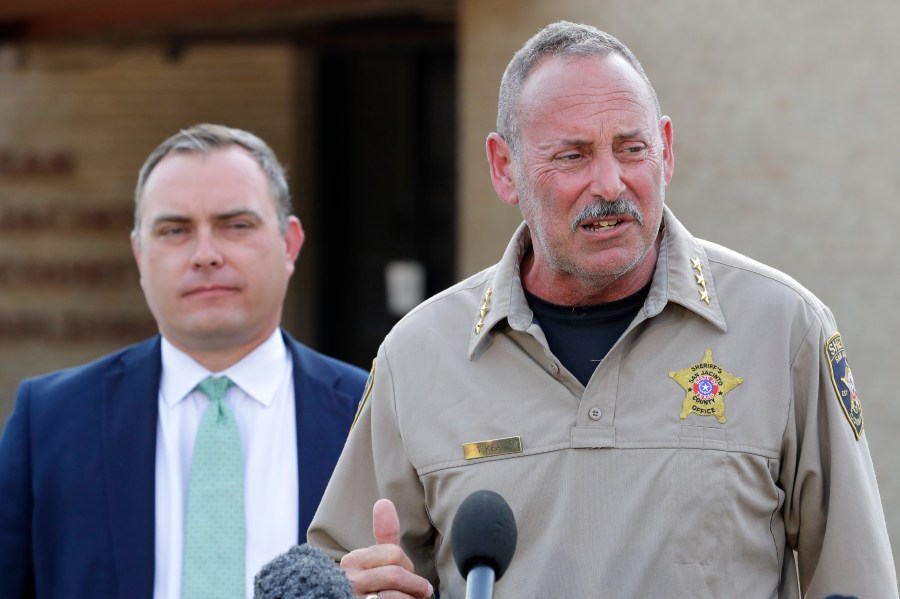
x=581, y=336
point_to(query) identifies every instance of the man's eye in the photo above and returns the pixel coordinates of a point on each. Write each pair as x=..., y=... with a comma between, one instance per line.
x=570, y=156
x=171, y=231
x=636, y=149
x=239, y=225
x=633, y=151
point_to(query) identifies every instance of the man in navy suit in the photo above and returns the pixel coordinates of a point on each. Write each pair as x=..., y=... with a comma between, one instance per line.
x=95, y=461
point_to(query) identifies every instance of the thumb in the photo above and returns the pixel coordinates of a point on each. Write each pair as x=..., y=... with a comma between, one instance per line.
x=385, y=523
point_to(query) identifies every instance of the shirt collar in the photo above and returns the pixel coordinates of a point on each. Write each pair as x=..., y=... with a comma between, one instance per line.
x=682, y=275
x=258, y=374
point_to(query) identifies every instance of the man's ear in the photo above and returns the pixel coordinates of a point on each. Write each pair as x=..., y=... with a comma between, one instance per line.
x=500, y=158
x=294, y=238
x=668, y=137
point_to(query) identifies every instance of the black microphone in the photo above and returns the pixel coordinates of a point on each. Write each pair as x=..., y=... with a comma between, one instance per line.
x=304, y=572
x=483, y=535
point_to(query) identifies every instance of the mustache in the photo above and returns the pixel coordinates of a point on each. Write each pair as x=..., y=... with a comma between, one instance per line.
x=600, y=210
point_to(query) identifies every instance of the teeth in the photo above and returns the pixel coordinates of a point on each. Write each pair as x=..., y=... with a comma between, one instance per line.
x=603, y=225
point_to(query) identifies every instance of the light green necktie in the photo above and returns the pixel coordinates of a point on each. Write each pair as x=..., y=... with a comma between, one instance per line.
x=214, y=526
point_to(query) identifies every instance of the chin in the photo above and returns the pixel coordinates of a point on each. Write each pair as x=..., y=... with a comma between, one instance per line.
x=608, y=265
x=212, y=328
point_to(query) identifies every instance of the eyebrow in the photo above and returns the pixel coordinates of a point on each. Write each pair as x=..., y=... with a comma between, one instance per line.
x=633, y=134
x=575, y=142
x=168, y=218
x=237, y=213
x=223, y=216
x=572, y=143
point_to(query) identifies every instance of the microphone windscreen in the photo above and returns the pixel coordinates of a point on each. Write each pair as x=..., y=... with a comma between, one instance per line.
x=483, y=533
x=304, y=572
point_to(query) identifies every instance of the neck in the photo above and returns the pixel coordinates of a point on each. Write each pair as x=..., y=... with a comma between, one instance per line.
x=568, y=289
x=218, y=358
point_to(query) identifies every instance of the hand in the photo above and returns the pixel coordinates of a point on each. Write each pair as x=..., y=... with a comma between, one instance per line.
x=384, y=568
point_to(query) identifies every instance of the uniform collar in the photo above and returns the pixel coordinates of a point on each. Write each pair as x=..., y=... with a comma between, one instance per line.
x=682, y=275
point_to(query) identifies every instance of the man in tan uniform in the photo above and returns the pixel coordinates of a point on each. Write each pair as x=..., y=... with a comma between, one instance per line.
x=666, y=417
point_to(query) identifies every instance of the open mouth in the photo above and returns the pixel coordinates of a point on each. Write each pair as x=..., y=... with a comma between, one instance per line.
x=601, y=225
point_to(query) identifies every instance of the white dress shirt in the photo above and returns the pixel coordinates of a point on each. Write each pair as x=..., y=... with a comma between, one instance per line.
x=263, y=402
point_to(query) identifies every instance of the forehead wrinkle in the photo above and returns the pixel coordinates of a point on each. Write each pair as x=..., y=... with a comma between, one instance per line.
x=581, y=97
x=581, y=132
x=615, y=93
x=621, y=100
x=618, y=77
x=580, y=113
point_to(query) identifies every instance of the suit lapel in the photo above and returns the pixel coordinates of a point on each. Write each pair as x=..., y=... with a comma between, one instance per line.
x=322, y=427
x=129, y=420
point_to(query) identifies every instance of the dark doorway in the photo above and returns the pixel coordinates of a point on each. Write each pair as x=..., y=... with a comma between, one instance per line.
x=385, y=187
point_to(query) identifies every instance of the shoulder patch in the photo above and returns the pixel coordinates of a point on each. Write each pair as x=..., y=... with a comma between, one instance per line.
x=366, y=393
x=842, y=379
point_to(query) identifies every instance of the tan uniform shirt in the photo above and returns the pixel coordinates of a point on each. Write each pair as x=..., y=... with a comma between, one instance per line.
x=710, y=442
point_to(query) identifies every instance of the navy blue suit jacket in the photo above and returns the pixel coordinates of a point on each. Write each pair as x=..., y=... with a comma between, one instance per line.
x=78, y=464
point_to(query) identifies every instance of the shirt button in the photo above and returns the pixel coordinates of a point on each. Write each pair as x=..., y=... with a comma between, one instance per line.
x=595, y=414
x=554, y=367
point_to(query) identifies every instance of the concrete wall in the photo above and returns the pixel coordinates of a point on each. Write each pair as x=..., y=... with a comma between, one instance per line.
x=76, y=123
x=785, y=148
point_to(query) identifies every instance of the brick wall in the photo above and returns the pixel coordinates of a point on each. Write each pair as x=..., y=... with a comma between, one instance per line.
x=76, y=123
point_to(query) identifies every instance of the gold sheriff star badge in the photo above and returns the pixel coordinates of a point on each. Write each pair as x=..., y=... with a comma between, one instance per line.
x=706, y=384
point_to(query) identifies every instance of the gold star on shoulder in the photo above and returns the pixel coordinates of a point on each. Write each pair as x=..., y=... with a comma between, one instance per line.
x=701, y=281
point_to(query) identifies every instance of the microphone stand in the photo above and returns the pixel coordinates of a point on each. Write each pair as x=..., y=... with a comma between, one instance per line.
x=480, y=582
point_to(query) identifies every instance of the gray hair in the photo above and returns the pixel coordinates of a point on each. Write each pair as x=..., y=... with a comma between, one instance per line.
x=557, y=39
x=203, y=139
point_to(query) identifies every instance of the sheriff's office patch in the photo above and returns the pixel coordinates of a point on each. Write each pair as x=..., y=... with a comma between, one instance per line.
x=706, y=384
x=842, y=379
x=365, y=396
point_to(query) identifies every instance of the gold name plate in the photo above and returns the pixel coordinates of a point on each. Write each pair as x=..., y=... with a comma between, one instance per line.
x=492, y=447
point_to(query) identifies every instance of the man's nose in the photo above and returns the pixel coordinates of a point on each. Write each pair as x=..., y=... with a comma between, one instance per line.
x=606, y=178
x=206, y=251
